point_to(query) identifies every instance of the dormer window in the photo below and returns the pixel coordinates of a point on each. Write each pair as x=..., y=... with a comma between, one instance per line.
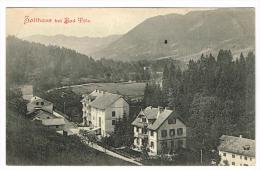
x=37, y=103
x=171, y=121
x=144, y=120
x=246, y=147
x=42, y=103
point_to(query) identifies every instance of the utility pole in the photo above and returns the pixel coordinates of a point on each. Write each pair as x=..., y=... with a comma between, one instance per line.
x=201, y=152
x=64, y=107
x=201, y=157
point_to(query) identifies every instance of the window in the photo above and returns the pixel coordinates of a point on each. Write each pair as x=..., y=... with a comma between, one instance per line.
x=172, y=132
x=37, y=103
x=171, y=121
x=164, y=133
x=250, y=159
x=172, y=144
x=233, y=163
x=164, y=147
x=99, y=121
x=245, y=158
x=233, y=156
x=180, y=143
x=151, y=133
x=164, y=144
x=224, y=154
x=245, y=164
x=57, y=126
x=152, y=144
x=143, y=119
x=42, y=103
x=137, y=141
x=144, y=130
x=240, y=157
x=179, y=131
x=136, y=129
x=113, y=113
x=113, y=122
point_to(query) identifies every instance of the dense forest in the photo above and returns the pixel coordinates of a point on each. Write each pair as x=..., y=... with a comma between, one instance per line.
x=215, y=95
x=51, y=66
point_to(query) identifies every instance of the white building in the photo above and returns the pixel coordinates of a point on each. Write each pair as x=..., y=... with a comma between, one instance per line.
x=102, y=109
x=27, y=92
x=42, y=110
x=37, y=103
x=236, y=151
x=161, y=131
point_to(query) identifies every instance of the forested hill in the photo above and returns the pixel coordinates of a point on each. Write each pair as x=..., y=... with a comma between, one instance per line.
x=49, y=66
x=85, y=45
x=215, y=95
x=31, y=61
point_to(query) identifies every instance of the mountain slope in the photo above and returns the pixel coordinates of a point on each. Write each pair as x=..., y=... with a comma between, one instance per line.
x=84, y=45
x=187, y=35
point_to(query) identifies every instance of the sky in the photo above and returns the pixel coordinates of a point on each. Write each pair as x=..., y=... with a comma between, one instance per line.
x=100, y=22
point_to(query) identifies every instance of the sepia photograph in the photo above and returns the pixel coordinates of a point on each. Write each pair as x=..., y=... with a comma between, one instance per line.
x=132, y=86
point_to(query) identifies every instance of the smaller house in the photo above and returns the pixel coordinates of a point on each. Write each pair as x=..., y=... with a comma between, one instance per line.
x=236, y=151
x=42, y=111
x=37, y=103
x=27, y=92
x=159, y=130
x=55, y=123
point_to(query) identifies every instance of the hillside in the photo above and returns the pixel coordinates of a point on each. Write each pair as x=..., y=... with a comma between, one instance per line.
x=30, y=144
x=47, y=67
x=187, y=36
x=85, y=45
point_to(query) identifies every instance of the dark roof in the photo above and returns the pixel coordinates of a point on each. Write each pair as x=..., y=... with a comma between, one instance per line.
x=104, y=101
x=36, y=112
x=152, y=113
x=53, y=122
x=36, y=98
x=237, y=145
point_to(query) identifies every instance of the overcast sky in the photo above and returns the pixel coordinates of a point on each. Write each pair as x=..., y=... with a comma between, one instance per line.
x=103, y=21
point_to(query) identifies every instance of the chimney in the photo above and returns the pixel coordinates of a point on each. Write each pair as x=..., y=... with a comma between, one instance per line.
x=160, y=109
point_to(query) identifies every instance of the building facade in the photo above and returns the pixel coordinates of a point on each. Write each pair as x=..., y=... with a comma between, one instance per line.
x=102, y=110
x=160, y=131
x=37, y=103
x=236, y=151
x=41, y=110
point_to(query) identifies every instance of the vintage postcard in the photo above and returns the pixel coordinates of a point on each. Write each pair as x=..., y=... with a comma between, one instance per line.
x=130, y=86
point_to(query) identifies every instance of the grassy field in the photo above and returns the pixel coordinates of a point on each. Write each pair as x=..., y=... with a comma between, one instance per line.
x=131, y=90
x=30, y=144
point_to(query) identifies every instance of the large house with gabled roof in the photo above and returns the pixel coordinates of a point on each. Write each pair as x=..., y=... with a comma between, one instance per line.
x=158, y=130
x=102, y=109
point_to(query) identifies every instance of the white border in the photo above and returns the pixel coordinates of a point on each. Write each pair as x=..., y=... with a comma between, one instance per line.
x=120, y=3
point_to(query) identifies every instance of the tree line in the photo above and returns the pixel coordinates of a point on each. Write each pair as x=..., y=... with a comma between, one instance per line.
x=214, y=95
x=47, y=67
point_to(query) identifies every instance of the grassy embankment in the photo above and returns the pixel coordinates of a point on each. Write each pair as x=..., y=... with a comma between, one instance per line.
x=30, y=144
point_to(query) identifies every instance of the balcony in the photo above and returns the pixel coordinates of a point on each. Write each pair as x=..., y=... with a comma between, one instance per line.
x=143, y=135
